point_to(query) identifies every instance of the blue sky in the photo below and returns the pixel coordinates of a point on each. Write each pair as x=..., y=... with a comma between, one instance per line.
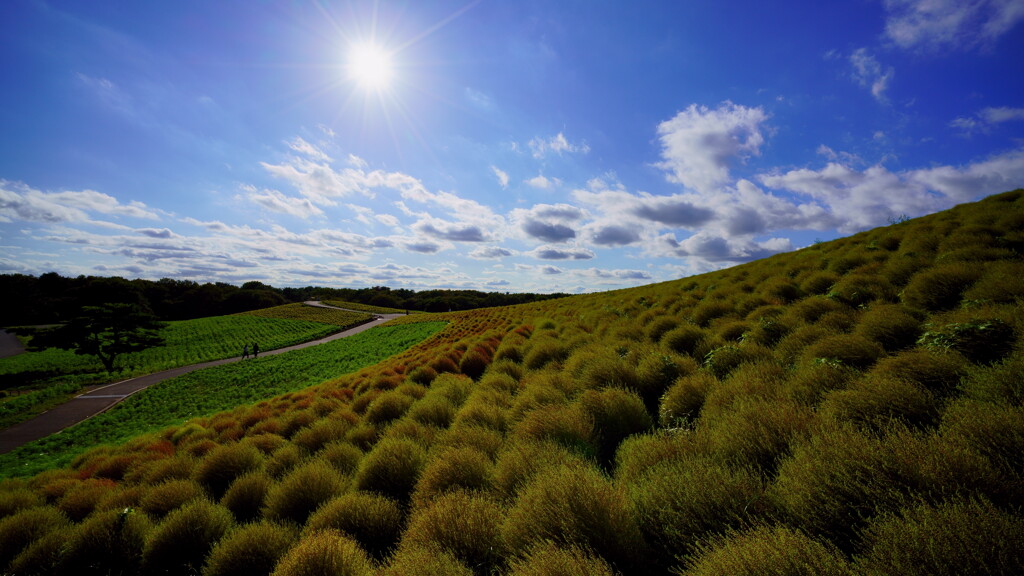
x=515, y=146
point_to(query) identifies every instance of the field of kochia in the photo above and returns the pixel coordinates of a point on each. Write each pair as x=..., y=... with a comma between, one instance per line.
x=854, y=407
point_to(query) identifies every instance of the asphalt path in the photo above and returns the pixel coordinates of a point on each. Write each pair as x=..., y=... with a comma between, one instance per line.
x=97, y=400
x=9, y=345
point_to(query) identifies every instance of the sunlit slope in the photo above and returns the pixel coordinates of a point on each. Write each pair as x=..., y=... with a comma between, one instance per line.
x=852, y=407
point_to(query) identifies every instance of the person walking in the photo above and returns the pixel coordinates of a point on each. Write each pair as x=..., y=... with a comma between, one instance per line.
x=255, y=349
x=245, y=351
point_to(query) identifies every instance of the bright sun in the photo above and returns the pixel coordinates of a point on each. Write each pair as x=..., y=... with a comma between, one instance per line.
x=370, y=66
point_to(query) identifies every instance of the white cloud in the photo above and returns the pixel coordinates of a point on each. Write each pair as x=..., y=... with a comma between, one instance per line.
x=557, y=144
x=859, y=199
x=558, y=253
x=542, y=182
x=277, y=202
x=452, y=231
x=986, y=118
x=548, y=222
x=698, y=143
x=20, y=202
x=501, y=175
x=870, y=74
x=387, y=220
x=301, y=146
x=491, y=253
x=952, y=24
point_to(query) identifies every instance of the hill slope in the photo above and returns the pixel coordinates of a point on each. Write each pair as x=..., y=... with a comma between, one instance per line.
x=853, y=407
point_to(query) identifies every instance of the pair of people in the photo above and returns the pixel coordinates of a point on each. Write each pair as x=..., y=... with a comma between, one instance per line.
x=255, y=350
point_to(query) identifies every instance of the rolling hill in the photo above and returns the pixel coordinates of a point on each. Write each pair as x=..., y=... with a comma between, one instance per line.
x=854, y=407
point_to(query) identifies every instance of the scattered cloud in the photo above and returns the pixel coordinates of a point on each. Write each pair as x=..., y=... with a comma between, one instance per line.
x=557, y=253
x=859, y=199
x=453, y=231
x=501, y=175
x=985, y=119
x=548, y=222
x=699, y=142
x=869, y=73
x=18, y=201
x=557, y=144
x=491, y=253
x=305, y=148
x=542, y=182
x=278, y=202
x=950, y=24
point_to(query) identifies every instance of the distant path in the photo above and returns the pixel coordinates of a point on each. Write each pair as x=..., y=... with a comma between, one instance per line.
x=9, y=345
x=94, y=401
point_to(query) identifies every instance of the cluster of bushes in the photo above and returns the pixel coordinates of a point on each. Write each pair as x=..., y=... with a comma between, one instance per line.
x=856, y=407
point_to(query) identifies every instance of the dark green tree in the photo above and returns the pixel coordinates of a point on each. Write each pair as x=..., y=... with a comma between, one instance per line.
x=107, y=332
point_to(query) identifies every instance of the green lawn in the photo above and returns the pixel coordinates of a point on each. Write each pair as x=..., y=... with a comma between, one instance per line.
x=212, y=390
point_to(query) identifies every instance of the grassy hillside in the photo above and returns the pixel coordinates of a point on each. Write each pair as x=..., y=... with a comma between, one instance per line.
x=856, y=407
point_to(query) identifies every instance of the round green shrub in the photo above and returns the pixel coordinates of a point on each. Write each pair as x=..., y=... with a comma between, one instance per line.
x=684, y=339
x=519, y=461
x=433, y=411
x=374, y=521
x=391, y=468
x=940, y=287
x=547, y=559
x=680, y=501
x=939, y=373
x=389, y=406
x=862, y=289
x=246, y=495
x=108, y=542
x=569, y=426
x=319, y=434
x=162, y=498
x=875, y=401
x=960, y=536
x=890, y=326
x=683, y=401
x=616, y=414
x=419, y=560
x=460, y=468
x=303, y=490
x=180, y=543
x=325, y=552
x=225, y=463
x=575, y=505
x=846, y=349
x=467, y=526
x=343, y=455
x=756, y=432
x=777, y=550
x=250, y=549
x=819, y=282
x=20, y=529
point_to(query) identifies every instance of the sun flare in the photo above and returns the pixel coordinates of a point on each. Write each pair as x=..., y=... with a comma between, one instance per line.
x=371, y=66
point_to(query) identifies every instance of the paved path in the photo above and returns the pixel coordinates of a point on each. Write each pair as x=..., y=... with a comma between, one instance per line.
x=9, y=344
x=99, y=399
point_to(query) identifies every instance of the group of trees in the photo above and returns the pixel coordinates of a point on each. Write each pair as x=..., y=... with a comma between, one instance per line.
x=52, y=298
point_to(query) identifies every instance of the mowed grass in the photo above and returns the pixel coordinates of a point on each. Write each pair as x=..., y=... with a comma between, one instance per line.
x=211, y=390
x=855, y=407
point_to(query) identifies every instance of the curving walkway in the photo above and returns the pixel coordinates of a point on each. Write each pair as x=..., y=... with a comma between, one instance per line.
x=97, y=400
x=9, y=345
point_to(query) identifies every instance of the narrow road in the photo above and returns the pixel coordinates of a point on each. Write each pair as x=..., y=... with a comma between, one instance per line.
x=93, y=402
x=9, y=344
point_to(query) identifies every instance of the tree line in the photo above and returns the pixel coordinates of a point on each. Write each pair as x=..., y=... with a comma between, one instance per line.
x=52, y=298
